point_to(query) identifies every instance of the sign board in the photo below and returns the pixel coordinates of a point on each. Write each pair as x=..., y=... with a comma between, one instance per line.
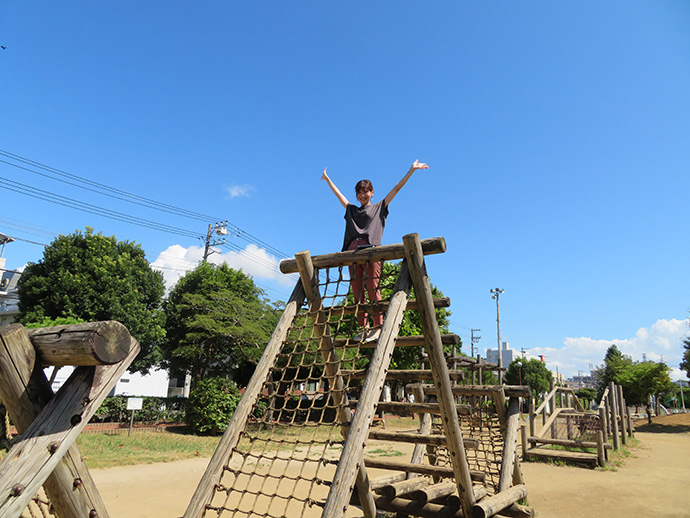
x=135, y=403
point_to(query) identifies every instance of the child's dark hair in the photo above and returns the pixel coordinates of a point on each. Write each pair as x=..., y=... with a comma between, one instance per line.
x=364, y=185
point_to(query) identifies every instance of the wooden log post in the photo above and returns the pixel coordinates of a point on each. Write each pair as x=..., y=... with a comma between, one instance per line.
x=495, y=504
x=614, y=415
x=352, y=465
x=601, y=451
x=532, y=418
x=602, y=425
x=405, y=487
x=425, y=421
x=523, y=440
x=92, y=343
x=451, y=422
x=50, y=436
x=509, y=444
x=25, y=389
x=623, y=412
x=204, y=492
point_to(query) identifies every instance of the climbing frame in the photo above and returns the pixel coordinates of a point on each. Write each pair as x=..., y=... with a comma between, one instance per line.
x=296, y=443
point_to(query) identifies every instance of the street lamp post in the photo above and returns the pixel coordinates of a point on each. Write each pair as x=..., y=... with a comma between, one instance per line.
x=495, y=293
x=519, y=366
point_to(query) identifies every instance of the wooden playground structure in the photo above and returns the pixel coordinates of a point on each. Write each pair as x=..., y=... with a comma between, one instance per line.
x=573, y=428
x=287, y=456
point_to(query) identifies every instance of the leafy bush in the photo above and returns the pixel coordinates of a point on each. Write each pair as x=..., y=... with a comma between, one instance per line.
x=211, y=405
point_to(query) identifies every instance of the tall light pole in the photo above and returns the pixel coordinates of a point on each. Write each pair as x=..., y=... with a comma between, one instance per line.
x=495, y=293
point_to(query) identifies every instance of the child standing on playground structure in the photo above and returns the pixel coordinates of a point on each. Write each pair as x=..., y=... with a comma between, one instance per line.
x=364, y=228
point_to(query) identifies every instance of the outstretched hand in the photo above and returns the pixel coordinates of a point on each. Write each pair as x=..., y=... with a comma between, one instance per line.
x=417, y=165
x=324, y=176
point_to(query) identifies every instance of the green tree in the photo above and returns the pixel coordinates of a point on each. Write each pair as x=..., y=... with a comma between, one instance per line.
x=218, y=323
x=642, y=380
x=534, y=373
x=685, y=364
x=408, y=357
x=615, y=364
x=92, y=277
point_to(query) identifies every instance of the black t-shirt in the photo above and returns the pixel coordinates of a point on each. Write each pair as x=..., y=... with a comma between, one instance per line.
x=367, y=222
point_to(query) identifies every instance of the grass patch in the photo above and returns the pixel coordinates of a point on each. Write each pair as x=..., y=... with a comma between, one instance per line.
x=617, y=458
x=108, y=450
x=385, y=452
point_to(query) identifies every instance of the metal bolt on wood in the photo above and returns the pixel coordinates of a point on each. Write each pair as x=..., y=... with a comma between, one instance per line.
x=17, y=490
x=52, y=448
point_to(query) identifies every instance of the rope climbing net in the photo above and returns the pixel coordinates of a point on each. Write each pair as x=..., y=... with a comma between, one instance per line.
x=284, y=462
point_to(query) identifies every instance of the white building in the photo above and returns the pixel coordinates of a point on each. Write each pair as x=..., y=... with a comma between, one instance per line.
x=155, y=383
x=507, y=355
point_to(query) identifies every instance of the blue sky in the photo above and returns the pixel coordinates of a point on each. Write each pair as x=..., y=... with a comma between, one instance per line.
x=556, y=133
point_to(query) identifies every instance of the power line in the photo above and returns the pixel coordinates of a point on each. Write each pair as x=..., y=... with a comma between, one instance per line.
x=120, y=194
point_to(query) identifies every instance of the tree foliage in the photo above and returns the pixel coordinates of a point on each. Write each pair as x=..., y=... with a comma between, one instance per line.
x=218, y=323
x=534, y=373
x=640, y=380
x=685, y=364
x=407, y=357
x=92, y=277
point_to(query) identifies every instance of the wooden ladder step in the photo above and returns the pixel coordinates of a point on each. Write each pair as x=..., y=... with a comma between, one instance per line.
x=400, y=341
x=418, y=438
x=422, y=469
x=413, y=408
x=403, y=375
x=376, y=307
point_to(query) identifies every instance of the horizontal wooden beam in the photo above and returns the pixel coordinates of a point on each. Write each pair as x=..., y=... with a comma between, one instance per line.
x=89, y=344
x=379, y=307
x=402, y=375
x=434, y=245
x=413, y=408
x=417, y=438
x=482, y=390
x=568, y=442
x=402, y=341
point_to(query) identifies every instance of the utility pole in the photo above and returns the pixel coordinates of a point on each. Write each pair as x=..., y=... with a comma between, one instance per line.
x=220, y=229
x=495, y=293
x=474, y=340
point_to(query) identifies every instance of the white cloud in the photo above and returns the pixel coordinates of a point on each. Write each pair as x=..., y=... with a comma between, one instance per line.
x=235, y=191
x=662, y=339
x=254, y=261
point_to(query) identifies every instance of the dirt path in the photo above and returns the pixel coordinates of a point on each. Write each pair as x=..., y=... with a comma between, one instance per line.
x=654, y=482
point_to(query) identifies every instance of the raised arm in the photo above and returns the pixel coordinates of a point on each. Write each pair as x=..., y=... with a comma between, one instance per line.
x=416, y=165
x=341, y=198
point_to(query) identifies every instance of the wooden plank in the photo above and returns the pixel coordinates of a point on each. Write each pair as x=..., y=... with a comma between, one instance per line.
x=613, y=408
x=53, y=432
x=25, y=391
x=571, y=456
x=406, y=487
x=547, y=425
x=434, y=245
x=416, y=438
x=351, y=462
x=92, y=343
x=451, y=422
x=204, y=492
x=565, y=442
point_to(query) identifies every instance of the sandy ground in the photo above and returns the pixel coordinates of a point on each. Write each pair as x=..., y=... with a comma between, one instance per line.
x=655, y=481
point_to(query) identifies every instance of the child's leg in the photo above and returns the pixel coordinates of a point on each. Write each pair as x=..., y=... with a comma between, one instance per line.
x=357, y=277
x=357, y=287
x=372, y=282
